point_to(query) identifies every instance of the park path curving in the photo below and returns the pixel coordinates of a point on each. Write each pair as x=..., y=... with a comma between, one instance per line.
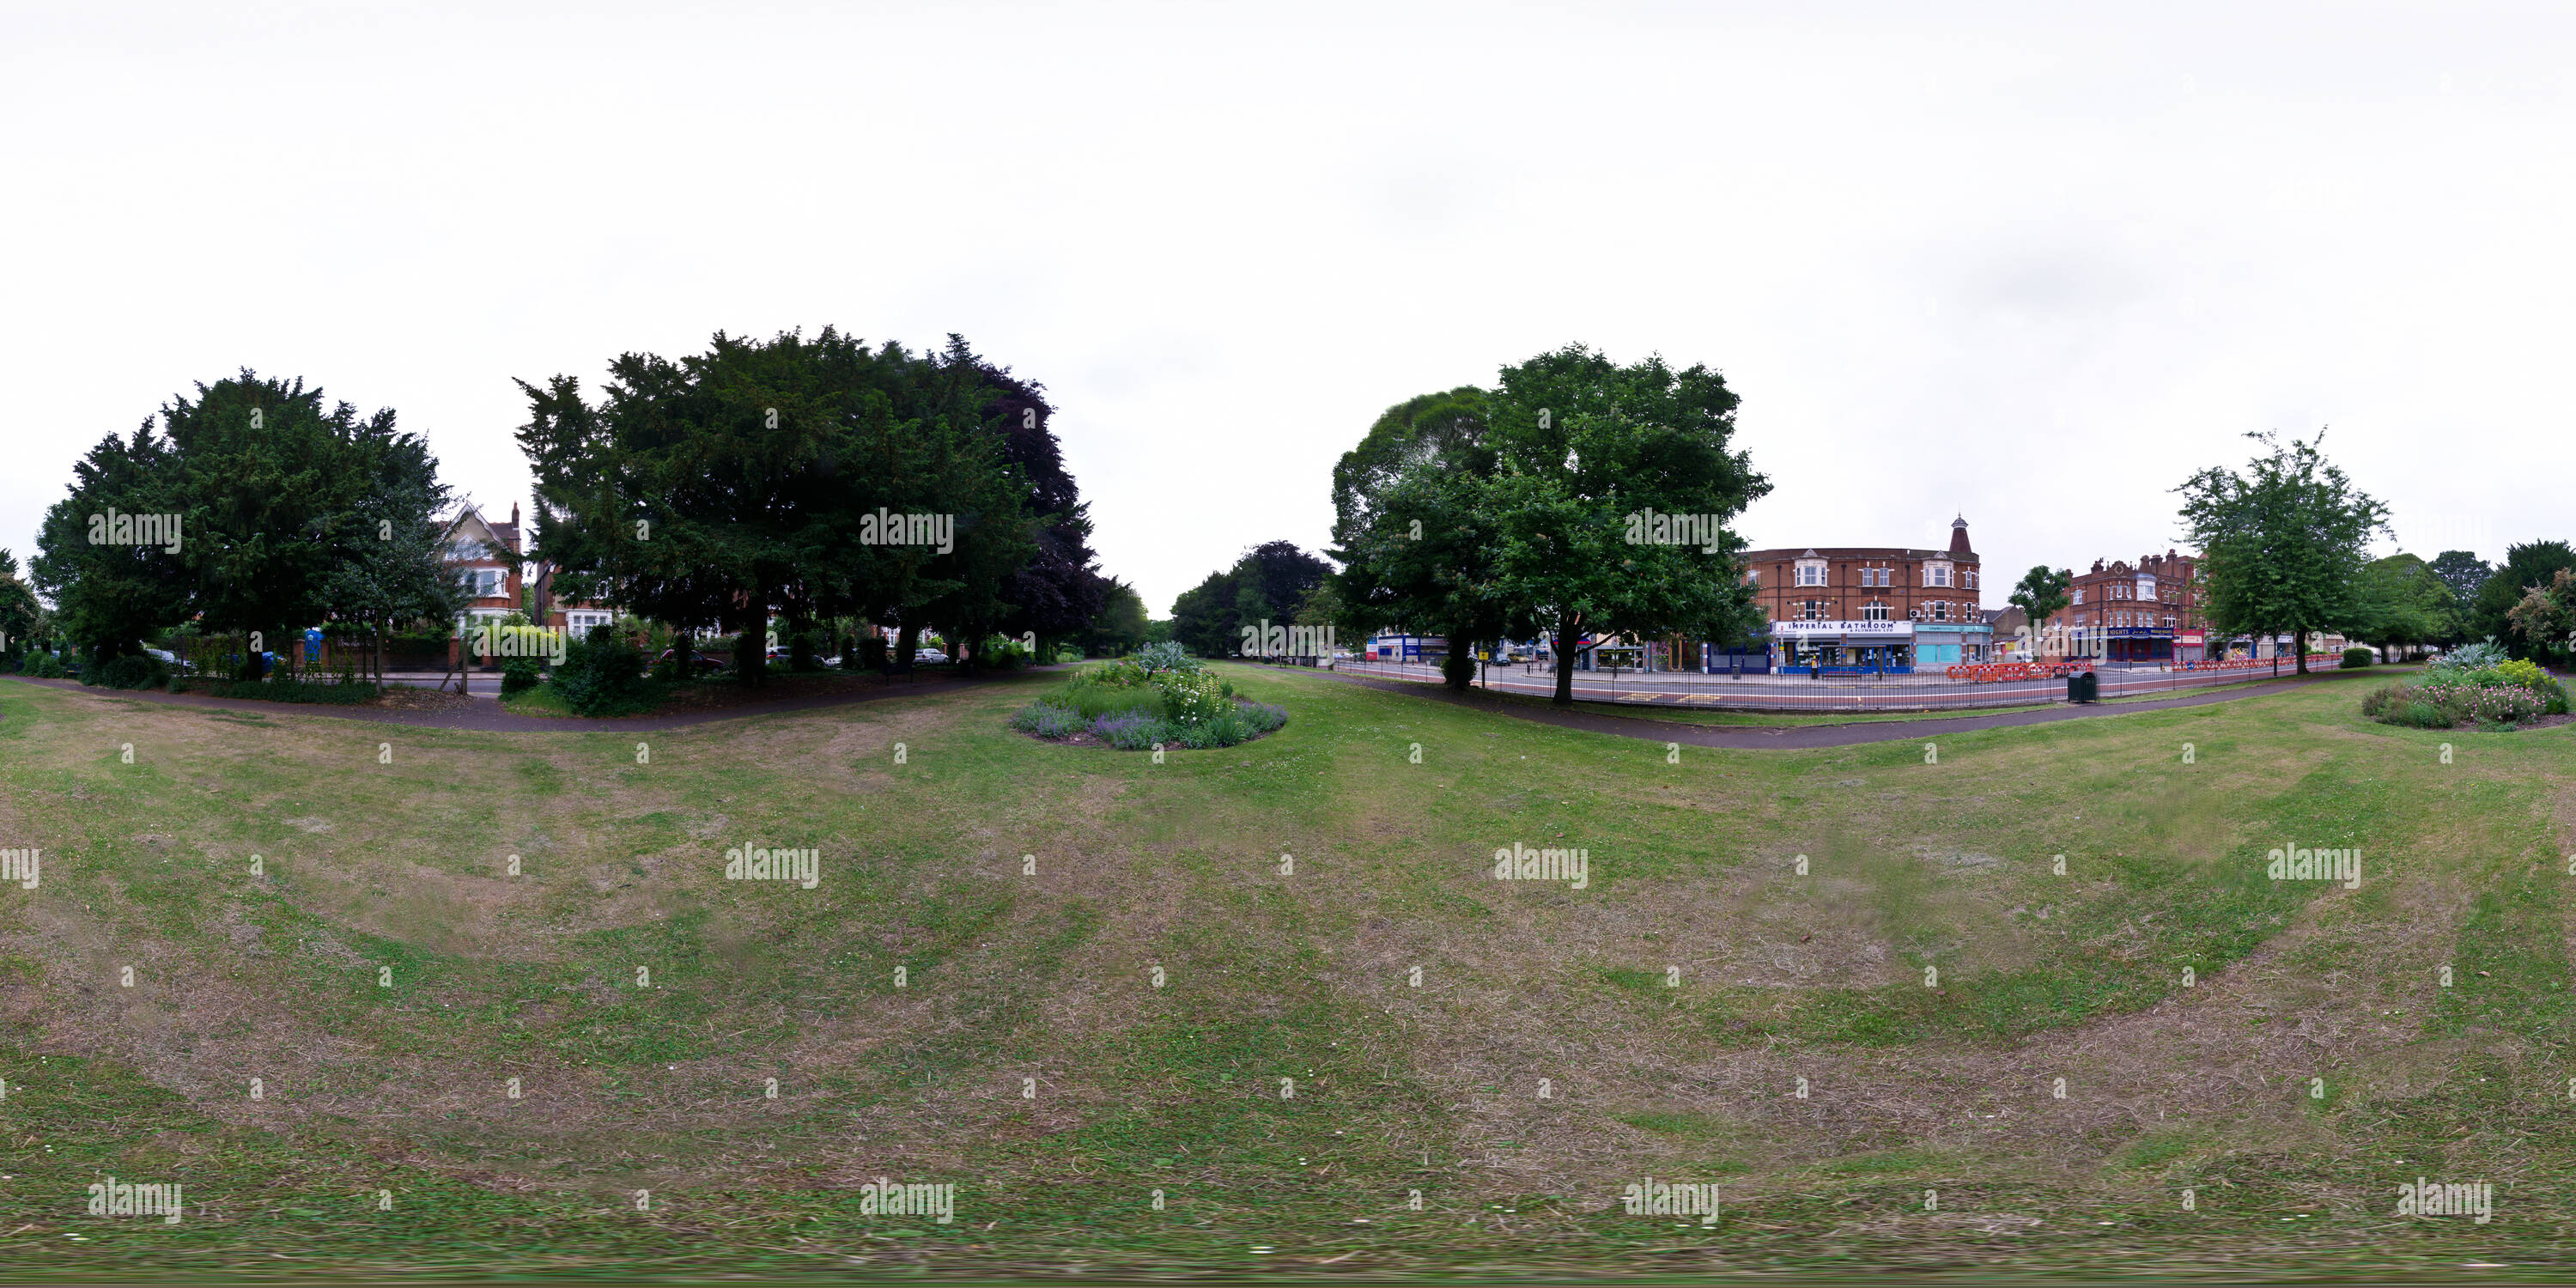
x=486, y=715
x=1794, y=737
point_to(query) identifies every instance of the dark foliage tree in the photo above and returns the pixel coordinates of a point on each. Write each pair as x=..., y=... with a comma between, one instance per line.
x=2526, y=566
x=2283, y=543
x=1584, y=449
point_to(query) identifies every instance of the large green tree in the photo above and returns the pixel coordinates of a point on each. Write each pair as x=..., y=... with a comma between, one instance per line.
x=1588, y=453
x=1119, y=627
x=2403, y=601
x=2463, y=572
x=2040, y=594
x=1271, y=581
x=1410, y=530
x=2534, y=564
x=21, y=616
x=764, y=476
x=2544, y=623
x=289, y=513
x=2283, y=543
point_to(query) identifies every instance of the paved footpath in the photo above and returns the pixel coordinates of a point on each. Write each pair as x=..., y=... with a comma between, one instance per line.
x=1790, y=737
x=486, y=715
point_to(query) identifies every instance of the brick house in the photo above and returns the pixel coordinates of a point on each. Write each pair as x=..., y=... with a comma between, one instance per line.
x=2148, y=611
x=1872, y=607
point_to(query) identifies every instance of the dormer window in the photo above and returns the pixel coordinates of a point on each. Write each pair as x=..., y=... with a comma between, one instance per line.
x=1811, y=572
x=1937, y=575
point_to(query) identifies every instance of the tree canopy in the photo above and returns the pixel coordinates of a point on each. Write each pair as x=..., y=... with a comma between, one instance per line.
x=2403, y=601
x=2041, y=593
x=279, y=512
x=2283, y=543
x=1270, y=581
x=819, y=477
x=2533, y=564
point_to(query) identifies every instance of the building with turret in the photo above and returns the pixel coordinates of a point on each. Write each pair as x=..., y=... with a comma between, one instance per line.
x=1872, y=608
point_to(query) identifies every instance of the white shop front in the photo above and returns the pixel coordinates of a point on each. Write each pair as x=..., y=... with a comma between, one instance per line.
x=1871, y=647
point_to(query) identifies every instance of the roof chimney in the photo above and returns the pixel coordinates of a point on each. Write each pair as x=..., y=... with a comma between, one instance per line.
x=1959, y=536
x=514, y=514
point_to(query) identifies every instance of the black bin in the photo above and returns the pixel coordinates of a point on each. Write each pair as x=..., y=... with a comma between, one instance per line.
x=2083, y=686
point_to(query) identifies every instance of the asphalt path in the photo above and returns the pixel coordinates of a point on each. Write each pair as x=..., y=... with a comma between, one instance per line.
x=485, y=713
x=1792, y=694
x=1847, y=734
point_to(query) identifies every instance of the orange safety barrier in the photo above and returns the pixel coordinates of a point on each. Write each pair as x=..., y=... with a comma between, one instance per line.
x=1996, y=672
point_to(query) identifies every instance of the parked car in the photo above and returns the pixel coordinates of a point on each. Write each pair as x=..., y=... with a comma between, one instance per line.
x=927, y=656
x=705, y=663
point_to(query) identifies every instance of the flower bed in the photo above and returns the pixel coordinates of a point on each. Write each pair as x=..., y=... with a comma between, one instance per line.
x=2475, y=689
x=1160, y=697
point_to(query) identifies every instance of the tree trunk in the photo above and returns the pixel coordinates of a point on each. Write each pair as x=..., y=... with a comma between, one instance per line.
x=1567, y=632
x=2299, y=640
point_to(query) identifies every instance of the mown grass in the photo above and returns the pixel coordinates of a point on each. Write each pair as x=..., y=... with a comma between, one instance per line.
x=1269, y=975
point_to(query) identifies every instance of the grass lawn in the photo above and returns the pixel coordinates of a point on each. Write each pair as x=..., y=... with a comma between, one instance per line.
x=1165, y=1016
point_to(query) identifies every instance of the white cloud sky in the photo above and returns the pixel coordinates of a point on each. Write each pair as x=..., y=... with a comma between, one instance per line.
x=2033, y=264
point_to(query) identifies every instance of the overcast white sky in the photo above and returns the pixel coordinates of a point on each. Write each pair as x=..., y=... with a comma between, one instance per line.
x=2034, y=264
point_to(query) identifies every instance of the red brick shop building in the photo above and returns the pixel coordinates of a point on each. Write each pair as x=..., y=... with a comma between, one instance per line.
x=2143, y=612
x=1872, y=608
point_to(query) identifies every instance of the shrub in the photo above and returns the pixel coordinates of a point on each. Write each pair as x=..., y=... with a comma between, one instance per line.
x=803, y=654
x=1047, y=720
x=518, y=675
x=2481, y=656
x=1191, y=697
x=1166, y=656
x=339, y=693
x=44, y=666
x=2356, y=658
x=601, y=676
x=134, y=671
x=1132, y=731
x=1000, y=654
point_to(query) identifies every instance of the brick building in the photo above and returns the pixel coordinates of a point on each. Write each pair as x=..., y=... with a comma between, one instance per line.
x=1872, y=608
x=2143, y=612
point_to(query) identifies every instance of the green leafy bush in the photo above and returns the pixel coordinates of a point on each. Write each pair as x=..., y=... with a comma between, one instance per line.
x=602, y=676
x=1166, y=656
x=518, y=675
x=134, y=671
x=1047, y=720
x=338, y=693
x=1192, y=697
x=2484, y=655
x=2356, y=658
x=44, y=666
x=1000, y=654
